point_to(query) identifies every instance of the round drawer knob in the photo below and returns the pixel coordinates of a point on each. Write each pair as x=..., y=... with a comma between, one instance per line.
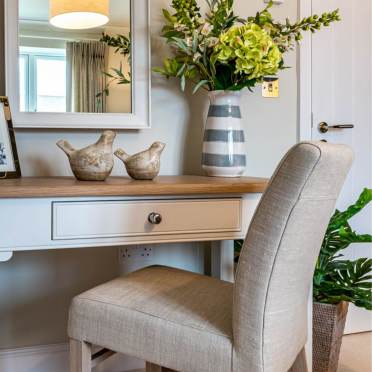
x=154, y=218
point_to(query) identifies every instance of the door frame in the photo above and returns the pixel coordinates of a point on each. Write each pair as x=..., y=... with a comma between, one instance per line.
x=304, y=61
x=305, y=115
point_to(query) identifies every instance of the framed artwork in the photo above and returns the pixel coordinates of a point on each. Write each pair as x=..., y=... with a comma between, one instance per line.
x=9, y=162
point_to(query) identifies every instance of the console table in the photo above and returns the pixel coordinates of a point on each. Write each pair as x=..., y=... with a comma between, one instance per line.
x=56, y=213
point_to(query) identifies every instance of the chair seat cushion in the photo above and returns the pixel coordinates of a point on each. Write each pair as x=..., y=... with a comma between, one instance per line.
x=166, y=316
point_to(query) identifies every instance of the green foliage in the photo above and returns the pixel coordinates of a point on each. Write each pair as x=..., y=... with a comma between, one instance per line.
x=122, y=44
x=221, y=16
x=116, y=75
x=187, y=14
x=224, y=52
x=335, y=279
x=238, y=246
x=285, y=35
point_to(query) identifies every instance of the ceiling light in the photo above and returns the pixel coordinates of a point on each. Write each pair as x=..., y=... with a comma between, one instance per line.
x=79, y=14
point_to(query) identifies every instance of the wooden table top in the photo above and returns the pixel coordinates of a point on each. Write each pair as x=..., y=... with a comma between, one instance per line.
x=35, y=187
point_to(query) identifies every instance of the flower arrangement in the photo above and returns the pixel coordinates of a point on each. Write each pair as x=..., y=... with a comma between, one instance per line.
x=224, y=52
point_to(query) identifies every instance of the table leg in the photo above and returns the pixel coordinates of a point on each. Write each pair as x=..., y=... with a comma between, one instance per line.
x=222, y=260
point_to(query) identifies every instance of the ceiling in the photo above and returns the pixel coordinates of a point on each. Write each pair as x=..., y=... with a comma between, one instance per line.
x=38, y=10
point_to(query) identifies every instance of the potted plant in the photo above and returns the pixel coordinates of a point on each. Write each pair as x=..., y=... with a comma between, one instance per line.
x=337, y=282
x=224, y=54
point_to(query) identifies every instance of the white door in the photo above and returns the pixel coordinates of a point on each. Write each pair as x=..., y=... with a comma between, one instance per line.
x=342, y=95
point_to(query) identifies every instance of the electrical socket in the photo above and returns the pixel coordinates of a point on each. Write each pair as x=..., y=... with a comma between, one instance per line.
x=135, y=252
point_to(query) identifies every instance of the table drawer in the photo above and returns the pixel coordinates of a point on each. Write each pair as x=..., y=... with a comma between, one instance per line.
x=111, y=219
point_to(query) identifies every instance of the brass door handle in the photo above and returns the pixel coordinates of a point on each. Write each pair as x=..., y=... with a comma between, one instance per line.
x=154, y=218
x=324, y=127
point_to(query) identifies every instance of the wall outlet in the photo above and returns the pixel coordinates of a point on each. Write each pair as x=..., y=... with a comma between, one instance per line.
x=135, y=252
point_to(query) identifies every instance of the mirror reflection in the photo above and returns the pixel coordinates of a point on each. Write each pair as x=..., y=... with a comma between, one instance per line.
x=73, y=59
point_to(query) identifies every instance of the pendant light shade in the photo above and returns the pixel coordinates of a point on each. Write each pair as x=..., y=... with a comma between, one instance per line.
x=79, y=14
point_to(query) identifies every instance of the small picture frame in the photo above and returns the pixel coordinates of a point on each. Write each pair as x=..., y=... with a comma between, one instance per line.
x=9, y=162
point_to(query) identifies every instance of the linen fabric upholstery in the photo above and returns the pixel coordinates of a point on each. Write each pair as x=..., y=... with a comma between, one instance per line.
x=279, y=255
x=193, y=323
x=169, y=317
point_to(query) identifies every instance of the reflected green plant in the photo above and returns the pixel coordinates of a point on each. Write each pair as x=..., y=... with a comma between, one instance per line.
x=118, y=76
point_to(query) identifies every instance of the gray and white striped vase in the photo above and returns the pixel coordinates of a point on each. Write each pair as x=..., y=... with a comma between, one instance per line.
x=224, y=142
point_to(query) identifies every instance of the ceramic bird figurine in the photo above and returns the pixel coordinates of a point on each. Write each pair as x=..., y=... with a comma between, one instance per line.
x=145, y=165
x=92, y=163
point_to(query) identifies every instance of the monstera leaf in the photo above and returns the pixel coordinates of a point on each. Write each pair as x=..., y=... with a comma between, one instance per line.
x=337, y=280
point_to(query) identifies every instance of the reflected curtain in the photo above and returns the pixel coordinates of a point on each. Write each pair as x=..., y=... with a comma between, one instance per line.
x=86, y=61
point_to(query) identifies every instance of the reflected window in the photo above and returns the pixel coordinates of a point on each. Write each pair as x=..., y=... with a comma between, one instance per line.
x=42, y=80
x=74, y=70
x=23, y=82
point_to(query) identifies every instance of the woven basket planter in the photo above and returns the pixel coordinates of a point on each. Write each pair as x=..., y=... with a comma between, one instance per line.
x=328, y=329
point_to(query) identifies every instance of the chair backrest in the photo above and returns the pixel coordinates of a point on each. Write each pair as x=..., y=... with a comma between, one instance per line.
x=279, y=255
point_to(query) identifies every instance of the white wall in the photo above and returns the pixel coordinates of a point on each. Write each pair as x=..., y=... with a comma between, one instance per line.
x=35, y=288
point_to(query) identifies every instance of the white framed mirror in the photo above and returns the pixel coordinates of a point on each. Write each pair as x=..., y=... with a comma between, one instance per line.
x=78, y=75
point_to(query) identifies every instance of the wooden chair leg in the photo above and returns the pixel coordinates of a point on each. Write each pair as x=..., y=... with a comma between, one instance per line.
x=80, y=356
x=300, y=364
x=155, y=368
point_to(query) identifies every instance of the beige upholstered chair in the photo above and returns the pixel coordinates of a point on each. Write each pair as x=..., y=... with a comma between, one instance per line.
x=194, y=323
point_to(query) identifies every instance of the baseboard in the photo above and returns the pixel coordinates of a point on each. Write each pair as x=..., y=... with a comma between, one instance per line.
x=54, y=358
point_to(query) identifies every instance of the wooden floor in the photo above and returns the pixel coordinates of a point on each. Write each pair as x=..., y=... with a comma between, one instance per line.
x=356, y=353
